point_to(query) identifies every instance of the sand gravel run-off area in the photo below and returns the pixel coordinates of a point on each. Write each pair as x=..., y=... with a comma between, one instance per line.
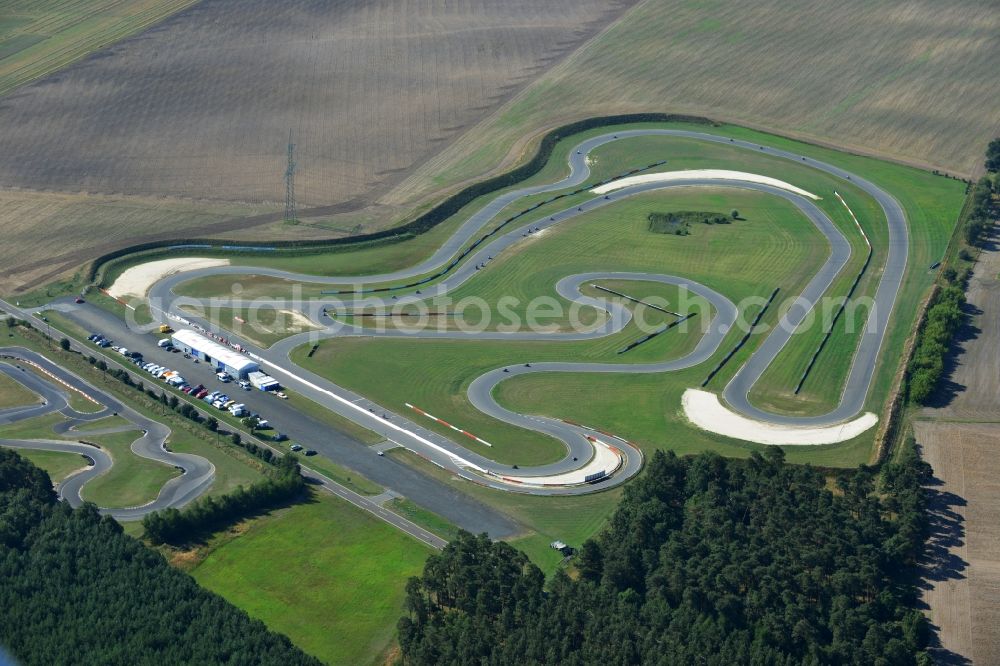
x=137, y=280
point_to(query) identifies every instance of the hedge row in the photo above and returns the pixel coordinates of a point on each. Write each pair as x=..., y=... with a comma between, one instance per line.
x=944, y=318
x=208, y=514
x=435, y=215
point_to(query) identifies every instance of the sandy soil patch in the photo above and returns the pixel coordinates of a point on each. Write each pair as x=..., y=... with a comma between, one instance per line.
x=297, y=320
x=706, y=411
x=137, y=280
x=712, y=174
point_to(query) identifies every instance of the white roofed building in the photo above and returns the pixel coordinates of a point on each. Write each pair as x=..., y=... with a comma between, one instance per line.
x=217, y=355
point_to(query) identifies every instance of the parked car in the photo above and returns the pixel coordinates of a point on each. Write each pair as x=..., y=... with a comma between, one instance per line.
x=78, y=300
x=296, y=447
x=224, y=377
x=279, y=437
x=310, y=452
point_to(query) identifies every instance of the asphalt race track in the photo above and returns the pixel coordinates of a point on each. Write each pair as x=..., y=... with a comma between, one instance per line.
x=197, y=472
x=460, y=459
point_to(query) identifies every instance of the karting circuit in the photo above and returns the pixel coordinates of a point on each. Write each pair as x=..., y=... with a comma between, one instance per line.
x=54, y=384
x=593, y=459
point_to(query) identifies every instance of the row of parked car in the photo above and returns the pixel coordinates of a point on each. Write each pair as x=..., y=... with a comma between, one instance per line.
x=217, y=399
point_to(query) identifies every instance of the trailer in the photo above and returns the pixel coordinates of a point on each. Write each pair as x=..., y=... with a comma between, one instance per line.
x=263, y=382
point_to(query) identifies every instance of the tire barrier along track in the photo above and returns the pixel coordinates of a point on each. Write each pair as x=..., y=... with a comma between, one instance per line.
x=197, y=473
x=843, y=306
x=736, y=391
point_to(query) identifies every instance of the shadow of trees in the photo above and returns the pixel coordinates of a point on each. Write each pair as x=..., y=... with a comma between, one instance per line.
x=939, y=564
x=947, y=388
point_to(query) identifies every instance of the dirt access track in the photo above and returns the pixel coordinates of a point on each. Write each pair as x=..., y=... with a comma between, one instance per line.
x=200, y=107
x=960, y=438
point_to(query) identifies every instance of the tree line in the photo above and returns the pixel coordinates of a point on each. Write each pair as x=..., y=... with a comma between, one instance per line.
x=982, y=212
x=208, y=514
x=944, y=318
x=75, y=589
x=705, y=561
x=945, y=312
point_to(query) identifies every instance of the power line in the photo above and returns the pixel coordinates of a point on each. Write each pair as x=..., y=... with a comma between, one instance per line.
x=290, y=182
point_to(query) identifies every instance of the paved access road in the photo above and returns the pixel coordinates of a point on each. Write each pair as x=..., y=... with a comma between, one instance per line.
x=197, y=473
x=433, y=495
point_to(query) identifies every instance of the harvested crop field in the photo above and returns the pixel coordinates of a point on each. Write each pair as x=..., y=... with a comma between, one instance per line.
x=962, y=570
x=200, y=106
x=913, y=81
x=40, y=36
x=960, y=437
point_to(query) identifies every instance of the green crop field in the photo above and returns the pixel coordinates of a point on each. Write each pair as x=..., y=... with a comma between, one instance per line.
x=773, y=245
x=329, y=576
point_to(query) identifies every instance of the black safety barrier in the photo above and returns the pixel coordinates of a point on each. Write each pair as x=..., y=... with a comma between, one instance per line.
x=743, y=340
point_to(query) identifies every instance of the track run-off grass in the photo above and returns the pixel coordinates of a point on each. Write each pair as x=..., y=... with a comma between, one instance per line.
x=434, y=374
x=326, y=574
x=131, y=481
x=58, y=464
x=13, y=394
